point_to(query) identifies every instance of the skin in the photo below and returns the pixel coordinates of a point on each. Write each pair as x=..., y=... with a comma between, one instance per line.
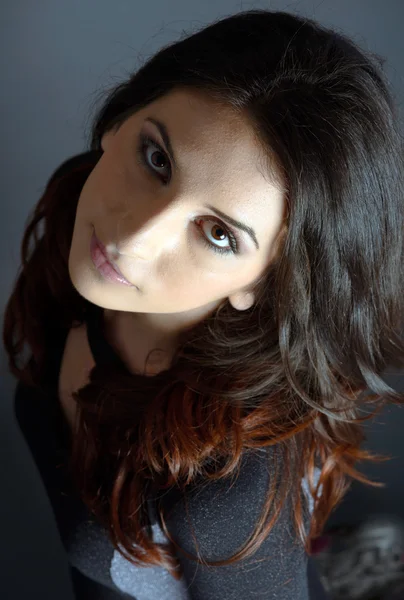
x=149, y=228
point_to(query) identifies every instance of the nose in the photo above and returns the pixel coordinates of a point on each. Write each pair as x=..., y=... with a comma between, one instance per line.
x=142, y=244
x=115, y=250
x=126, y=244
x=128, y=249
x=145, y=239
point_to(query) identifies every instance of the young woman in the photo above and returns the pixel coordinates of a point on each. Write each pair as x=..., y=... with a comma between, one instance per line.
x=217, y=281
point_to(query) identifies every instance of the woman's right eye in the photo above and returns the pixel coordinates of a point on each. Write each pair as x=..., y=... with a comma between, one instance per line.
x=145, y=144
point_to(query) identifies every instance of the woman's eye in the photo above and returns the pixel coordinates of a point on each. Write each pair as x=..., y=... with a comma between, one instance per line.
x=219, y=231
x=153, y=157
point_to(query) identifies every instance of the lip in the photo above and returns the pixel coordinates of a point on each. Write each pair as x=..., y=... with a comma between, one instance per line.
x=104, y=265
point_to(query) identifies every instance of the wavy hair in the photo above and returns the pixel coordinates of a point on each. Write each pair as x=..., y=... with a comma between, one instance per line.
x=290, y=371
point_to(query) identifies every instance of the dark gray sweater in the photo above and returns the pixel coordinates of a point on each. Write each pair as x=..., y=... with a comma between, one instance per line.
x=223, y=516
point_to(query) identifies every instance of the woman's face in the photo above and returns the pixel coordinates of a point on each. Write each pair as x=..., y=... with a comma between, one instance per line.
x=157, y=220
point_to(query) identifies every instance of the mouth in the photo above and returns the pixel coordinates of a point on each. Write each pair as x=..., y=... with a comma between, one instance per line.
x=104, y=264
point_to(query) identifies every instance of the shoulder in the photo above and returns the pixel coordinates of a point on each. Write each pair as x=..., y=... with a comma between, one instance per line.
x=221, y=516
x=229, y=505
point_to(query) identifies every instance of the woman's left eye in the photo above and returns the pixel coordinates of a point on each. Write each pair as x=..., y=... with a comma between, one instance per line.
x=144, y=145
x=232, y=246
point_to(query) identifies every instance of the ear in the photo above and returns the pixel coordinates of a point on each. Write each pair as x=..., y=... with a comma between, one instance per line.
x=242, y=301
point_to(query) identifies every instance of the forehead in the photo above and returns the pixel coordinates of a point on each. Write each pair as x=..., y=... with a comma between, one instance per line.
x=203, y=126
x=220, y=159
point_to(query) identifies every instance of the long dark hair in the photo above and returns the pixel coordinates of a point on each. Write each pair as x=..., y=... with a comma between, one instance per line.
x=291, y=370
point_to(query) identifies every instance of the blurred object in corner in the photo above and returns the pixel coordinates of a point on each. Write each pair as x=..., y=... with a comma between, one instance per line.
x=364, y=561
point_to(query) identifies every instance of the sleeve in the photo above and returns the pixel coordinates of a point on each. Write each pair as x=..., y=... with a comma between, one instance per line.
x=43, y=430
x=223, y=515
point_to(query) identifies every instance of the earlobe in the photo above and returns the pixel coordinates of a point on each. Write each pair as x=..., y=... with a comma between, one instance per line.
x=243, y=302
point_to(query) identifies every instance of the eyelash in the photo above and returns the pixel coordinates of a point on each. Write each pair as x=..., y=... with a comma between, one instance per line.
x=144, y=142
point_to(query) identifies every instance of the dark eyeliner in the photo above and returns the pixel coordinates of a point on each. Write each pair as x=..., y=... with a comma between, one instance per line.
x=233, y=240
x=144, y=142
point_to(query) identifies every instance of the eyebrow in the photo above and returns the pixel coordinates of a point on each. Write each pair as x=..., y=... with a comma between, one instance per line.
x=235, y=223
x=166, y=139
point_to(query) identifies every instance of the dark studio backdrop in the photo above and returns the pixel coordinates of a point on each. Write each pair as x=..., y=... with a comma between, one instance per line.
x=57, y=57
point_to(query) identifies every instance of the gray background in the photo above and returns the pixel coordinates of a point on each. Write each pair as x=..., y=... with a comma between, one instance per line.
x=58, y=59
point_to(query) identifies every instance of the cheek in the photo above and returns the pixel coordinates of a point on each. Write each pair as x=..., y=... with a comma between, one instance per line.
x=89, y=199
x=107, y=178
x=186, y=280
